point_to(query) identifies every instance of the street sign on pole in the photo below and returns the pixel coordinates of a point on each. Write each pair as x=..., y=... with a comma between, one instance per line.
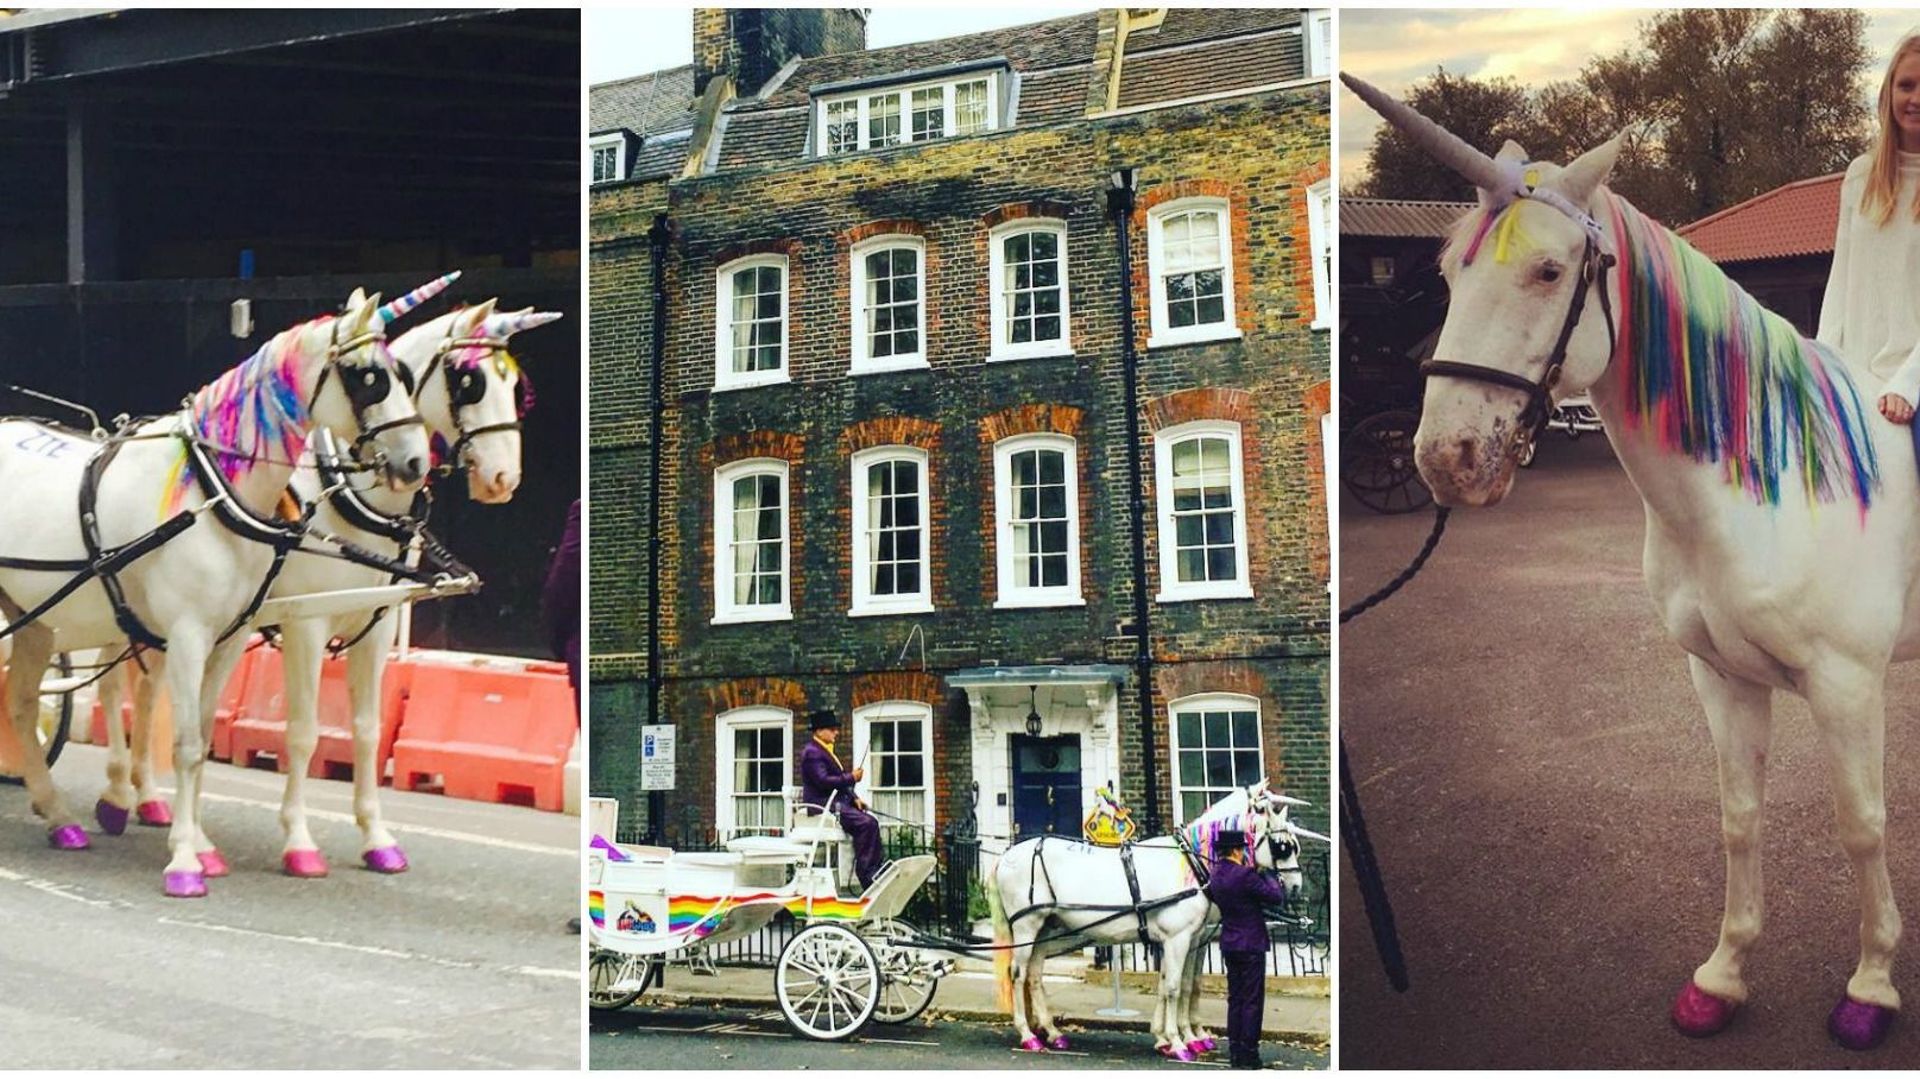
x=656, y=758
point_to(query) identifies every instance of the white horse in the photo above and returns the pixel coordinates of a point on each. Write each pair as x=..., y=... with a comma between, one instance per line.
x=467, y=386
x=1054, y=895
x=1782, y=550
x=193, y=591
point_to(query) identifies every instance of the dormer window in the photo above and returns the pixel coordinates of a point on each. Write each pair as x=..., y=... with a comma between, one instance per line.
x=871, y=119
x=608, y=154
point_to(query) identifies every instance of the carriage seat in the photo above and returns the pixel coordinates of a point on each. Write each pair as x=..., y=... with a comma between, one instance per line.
x=768, y=847
x=811, y=823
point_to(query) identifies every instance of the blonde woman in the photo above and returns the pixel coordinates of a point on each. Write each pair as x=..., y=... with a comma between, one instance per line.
x=1869, y=315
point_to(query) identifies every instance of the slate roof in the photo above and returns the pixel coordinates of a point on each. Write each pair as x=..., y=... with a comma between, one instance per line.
x=1199, y=51
x=644, y=104
x=1399, y=217
x=1795, y=219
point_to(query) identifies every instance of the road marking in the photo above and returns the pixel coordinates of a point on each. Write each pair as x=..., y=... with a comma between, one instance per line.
x=408, y=829
x=902, y=1041
x=64, y=891
x=546, y=972
x=340, y=945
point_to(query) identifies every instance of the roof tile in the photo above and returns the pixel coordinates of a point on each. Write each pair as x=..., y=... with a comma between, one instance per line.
x=1400, y=217
x=1795, y=219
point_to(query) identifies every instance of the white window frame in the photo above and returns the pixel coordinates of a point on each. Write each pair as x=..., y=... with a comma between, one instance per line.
x=1319, y=234
x=1172, y=589
x=895, y=711
x=724, y=726
x=862, y=363
x=1162, y=332
x=865, y=603
x=618, y=144
x=725, y=610
x=903, y=97
x=1001, y=348
x=1011, y=593
x=1200, y=702
x=1316, y=42
x=724, y=376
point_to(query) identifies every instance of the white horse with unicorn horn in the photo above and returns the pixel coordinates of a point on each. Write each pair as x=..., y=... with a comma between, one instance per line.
x=469, y=390
x=1783, y=535
x=220, y=467
x=1054, y=895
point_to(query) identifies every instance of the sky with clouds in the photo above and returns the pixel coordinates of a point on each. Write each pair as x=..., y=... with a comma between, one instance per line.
x=623, y=42
x=1393, y=49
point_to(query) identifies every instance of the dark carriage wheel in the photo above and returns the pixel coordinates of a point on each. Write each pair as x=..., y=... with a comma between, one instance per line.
x=1376, y=464
x=56, y=719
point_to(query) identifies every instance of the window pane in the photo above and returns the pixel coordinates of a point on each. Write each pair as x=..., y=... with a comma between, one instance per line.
x=883, y=120
x=929, y=113
x=970, y=107
x=1246, y=729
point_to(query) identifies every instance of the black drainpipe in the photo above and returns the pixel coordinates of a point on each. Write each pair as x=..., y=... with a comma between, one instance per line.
x=1120, y=205
x=657, y=237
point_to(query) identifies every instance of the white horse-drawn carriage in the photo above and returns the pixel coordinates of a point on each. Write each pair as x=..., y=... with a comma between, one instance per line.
x=850, y=962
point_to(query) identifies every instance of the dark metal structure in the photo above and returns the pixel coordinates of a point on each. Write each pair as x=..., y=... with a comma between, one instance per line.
x=160, y=165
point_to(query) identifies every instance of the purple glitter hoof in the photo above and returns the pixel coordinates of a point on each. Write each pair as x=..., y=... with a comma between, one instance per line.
x=1033, y=1045
x=304, y=863
x=1197, y=1046
x=385, y=860
x=186, y=884
x=1859, y=1026
x=1210, y=1044
x=1184, y=1055
x=154, y=814
x=1058, y=1041
x=68, y=837
x=213, y=863
x=112, y=818
x=1699, y=1014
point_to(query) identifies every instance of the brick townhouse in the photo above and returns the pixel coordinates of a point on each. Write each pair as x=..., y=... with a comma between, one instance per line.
x=895, y=453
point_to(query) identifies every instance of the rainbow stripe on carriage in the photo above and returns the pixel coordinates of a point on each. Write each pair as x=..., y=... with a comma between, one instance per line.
x=699, y=915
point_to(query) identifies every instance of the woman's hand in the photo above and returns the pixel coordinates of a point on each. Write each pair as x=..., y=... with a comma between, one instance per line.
x=1895, y=408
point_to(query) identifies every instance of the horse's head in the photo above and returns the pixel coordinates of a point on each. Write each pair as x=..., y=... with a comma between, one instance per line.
x=360, y=394
x=1272, y=837
x=472, y=392
x=1523, y=269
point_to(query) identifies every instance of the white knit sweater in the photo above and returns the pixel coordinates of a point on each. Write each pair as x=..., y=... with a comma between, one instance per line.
x=1871, y=314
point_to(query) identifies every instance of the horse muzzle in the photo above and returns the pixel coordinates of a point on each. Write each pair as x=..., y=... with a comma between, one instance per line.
x=1467, y=470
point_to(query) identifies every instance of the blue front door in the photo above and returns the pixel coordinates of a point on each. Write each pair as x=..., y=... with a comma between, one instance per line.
x=1046, y=785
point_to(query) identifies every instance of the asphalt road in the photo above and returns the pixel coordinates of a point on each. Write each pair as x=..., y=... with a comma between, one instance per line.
x=461, y=962
x=1540, y=787
x=699, y=1038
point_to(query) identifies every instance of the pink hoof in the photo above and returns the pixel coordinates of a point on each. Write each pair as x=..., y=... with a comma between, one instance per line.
x=68, y=837
x=385, y=860
x=213, y=863
x=1184, y=1055
x=186, y=884
x=1198, y=1046
x=112, y=818
x=1859, y=1026
x=304, y=863
x=1208, y=1045
x=1699, y=1014
x=1033, y=1045
x=154, y=814
x=1058, y=1041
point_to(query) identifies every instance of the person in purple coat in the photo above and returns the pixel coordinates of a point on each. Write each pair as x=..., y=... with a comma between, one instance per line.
x=822, y=777
x=560, y=602
x=1240, y=891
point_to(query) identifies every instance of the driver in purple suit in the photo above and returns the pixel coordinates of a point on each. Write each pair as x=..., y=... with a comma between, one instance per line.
x=822, y=777
x=1239, y=890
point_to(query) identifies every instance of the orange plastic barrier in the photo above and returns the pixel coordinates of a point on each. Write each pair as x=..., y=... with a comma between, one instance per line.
x=334, y=755
x=489, y=735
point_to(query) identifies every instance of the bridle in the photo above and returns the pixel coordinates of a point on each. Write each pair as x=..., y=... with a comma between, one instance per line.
x=366, y=385
x=466, y=387
x=1594, y=263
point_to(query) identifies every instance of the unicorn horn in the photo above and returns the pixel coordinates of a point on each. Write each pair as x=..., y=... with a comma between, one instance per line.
x=1442, y=145
x=411, y=300
x=506, y=325
x=1297, y=830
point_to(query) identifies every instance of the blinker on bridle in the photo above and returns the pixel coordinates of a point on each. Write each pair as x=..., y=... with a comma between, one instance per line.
x=365, y=386
x=466, y=387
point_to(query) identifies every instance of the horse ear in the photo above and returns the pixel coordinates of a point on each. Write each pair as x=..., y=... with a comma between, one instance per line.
x=1511, y=151
x=470, y=319
x=1581, y=179
x=358, y=298
x=360, y=314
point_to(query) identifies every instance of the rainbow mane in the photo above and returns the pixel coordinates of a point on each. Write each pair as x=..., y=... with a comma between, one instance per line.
x=1232, y=812
x=1718, y=377
x=252, y=411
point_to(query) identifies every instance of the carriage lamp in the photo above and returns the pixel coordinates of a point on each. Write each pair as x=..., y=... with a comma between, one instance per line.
x=1033, y=712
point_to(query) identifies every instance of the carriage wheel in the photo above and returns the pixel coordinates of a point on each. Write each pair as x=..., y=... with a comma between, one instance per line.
x=906, y=988
x=1530, y=451
x=1376, y=464
x=56, y=719
x=606, y=969
x=828, y=982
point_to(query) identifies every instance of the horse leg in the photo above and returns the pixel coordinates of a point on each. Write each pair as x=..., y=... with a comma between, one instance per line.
x=1191, y=1031
x=116, y=803
x=1044, y=1024
x=1024, y=957
x=1166, y=1010
x=186, y=876
x=366, y=667
x=1740, y=716
x=302, y=650
x=151, y=809
x=32, y=649
x=219, y=667
x=1849, y=704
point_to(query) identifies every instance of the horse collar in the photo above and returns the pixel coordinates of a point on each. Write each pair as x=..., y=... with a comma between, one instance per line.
x=1594, y=263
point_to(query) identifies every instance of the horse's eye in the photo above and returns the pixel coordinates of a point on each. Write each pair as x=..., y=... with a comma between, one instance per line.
x=1550, y=273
